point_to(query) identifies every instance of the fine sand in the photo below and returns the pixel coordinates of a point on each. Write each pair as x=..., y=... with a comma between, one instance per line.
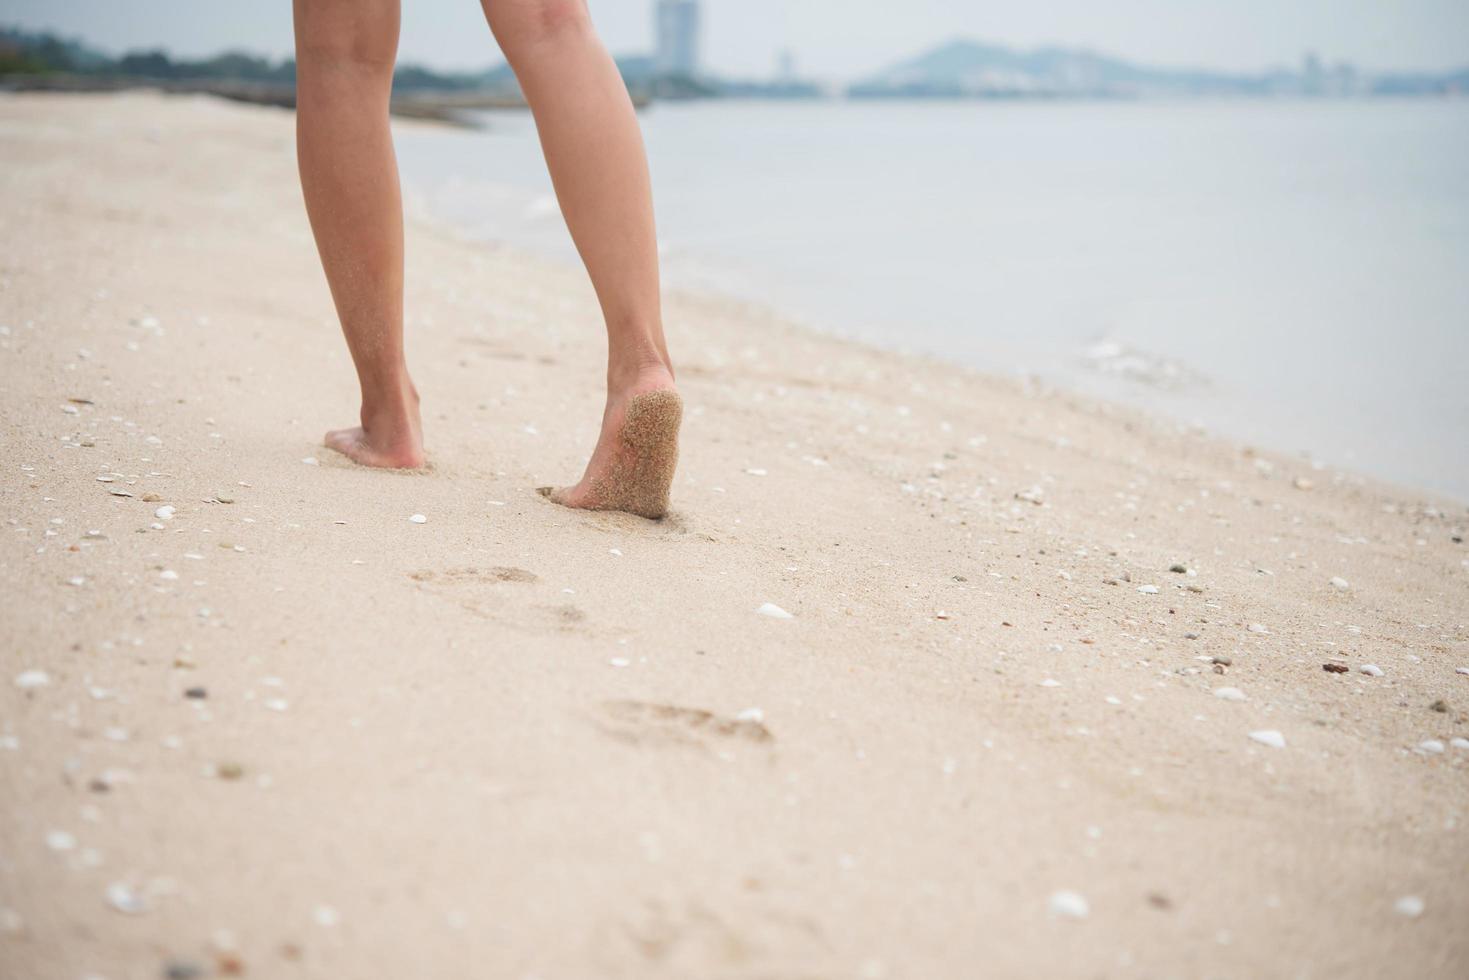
x=255, y=720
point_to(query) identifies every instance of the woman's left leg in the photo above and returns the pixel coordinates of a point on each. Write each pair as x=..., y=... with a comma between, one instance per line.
x=344, y=74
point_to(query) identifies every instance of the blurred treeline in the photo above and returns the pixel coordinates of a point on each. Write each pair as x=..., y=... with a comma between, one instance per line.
x=28, y=53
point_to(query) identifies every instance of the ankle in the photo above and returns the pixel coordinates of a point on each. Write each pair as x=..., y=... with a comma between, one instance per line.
x=642, y=370
x=389, y=400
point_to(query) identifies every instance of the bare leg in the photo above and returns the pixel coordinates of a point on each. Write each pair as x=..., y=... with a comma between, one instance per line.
x=344, y=73
x=594, y=151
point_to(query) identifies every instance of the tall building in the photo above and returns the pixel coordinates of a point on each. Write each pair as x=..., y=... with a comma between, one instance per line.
x=677, y=25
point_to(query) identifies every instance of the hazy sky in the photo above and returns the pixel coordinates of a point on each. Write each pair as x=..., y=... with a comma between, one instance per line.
x=838, y=39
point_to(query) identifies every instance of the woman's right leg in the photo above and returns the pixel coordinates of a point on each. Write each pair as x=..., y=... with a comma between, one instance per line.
x=594, y=151
x=345, y=50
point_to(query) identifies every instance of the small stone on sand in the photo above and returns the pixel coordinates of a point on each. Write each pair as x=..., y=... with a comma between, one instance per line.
x=773, y=611
x=1340, y=583
x=619, y=661
x=1430, y=746
x=1148, y=589
x=60, y=840
x=1068, y=905
x=311, y=461
x=1050, y=682
x=1409, y=906
x=418, y=519
x=1270, y=737
x=124, y=898
x=1371, y=670
x=30, y=680
x=1230, y=694
x=750, y=714
x=164, y=513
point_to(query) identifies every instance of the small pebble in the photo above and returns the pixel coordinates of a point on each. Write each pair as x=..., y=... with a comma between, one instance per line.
x=1334, y=668
x=1409, y=906
x=1258, y=628
x=1371, y=670
x=418, y=519
x=310, y=461
x=1270, y=737
x=60, y=840
x=1148, y=589
x=1459, y=743
x=1461, y=670
x=1068, y=905
x=773, y=611
x=619, y=661
x=1221, y=660
x=30, y=680
x=750, y=714
x=197, y=693
x=124, y=898
x=1230, y=694
x=164, y=513
x=1430, y=746
x=1050, y=682
x=1340, y=583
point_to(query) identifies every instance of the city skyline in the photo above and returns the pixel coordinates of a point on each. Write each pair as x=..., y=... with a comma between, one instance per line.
x=676, y=40
x=747, y=38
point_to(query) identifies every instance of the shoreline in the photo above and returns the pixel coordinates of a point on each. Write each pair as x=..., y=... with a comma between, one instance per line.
x=1284, y=382
x=253, y=717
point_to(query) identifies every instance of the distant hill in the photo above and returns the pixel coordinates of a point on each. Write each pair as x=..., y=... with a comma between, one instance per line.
x=972, y=69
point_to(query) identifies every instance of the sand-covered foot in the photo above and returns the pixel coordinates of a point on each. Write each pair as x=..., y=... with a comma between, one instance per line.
x=632, y=467
x=391, y=437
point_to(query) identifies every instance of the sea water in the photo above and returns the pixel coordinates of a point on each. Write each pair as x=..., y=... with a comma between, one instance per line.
x=1290, y=273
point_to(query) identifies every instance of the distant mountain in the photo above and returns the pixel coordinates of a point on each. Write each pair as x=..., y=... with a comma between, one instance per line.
x=972, y=69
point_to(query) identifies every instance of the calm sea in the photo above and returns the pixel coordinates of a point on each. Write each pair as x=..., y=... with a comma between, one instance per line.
x=1294, y=273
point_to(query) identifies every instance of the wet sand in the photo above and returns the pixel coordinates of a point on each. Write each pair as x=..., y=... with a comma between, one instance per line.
x=256, y=721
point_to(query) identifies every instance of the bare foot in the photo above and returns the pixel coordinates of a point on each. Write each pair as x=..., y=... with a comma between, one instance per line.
x=632, y=467
x=390, y=436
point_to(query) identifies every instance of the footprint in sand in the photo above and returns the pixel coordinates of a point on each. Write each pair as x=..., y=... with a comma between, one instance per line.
x=499, y=573
x=476, y=590
x=680, y=938
x=647, y=723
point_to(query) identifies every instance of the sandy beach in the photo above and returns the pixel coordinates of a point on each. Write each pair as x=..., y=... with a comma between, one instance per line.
x=928, y=674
